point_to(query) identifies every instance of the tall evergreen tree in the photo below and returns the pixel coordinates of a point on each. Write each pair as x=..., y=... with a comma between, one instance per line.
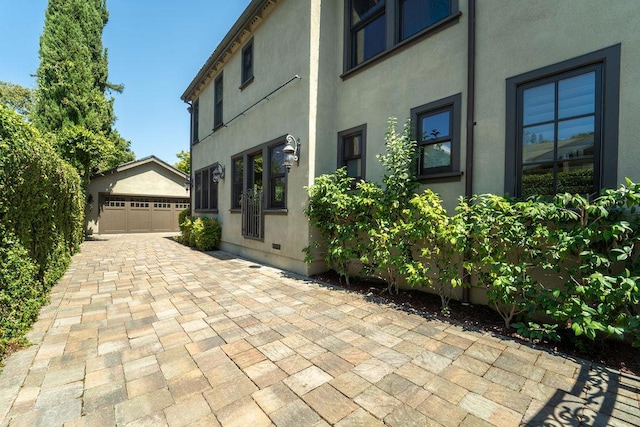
x=71, y=98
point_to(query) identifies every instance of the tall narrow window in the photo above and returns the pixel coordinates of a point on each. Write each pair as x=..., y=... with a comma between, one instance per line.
x=368, y=29
x=238, y=182
x=247, y=63
x=417, y=15
x=351, y=151
x=562, y=134
x=277, y=177
x=217, y=100
x=437, y=127
x=195, y=121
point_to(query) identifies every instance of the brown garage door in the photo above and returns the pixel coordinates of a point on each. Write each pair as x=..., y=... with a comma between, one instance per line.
x=128, y=214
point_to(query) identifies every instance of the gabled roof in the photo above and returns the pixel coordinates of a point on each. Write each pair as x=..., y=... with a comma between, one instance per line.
x=140, y=162
x=249, y=19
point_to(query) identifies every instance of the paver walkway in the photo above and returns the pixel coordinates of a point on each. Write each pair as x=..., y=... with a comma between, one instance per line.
x=143, y=331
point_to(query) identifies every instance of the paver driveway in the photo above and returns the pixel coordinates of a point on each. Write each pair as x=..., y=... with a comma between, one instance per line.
x=143, y=331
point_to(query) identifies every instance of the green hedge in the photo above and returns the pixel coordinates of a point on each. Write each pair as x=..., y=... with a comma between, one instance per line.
x=41, y=221
x=588, y=247
x=203, y=233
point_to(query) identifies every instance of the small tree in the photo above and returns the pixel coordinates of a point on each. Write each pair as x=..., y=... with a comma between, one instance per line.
x=391, y=245
x=441, y=239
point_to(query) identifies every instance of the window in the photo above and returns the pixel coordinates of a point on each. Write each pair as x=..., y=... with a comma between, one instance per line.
x=251, y=173
x=368, y=28
x=375, y=26
x=195, y=122
x=351, y=151
x=437, y=132
x=562, y=129
x=217, y=101
x=417, y=15
x=277, y=177
x=238, y=182
x=247, y=64
x=205, y=190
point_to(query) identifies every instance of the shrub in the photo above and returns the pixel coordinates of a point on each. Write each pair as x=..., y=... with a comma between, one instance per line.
x=335, y=210
x=41, y=221
x=202, y=233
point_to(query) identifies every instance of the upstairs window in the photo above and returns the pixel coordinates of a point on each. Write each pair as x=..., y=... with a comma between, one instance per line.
x=217, y=101
x=375, y=26
x=247, y=64
x=368, y=28
x=417, y=15
x=195, y=121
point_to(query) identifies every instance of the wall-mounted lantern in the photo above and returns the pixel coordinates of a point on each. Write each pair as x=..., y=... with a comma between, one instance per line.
x=218, y=173
x=187, y=184
x=291, y=152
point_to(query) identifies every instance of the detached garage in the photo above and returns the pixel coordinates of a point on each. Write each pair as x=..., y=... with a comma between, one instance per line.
x=143, y=196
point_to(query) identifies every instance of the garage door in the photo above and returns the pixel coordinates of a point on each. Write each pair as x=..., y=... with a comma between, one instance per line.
x=127, y=214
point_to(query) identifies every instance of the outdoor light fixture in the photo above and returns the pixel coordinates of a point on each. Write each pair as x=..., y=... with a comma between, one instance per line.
x=217, y=173
x=291, y=152
x=187, y=184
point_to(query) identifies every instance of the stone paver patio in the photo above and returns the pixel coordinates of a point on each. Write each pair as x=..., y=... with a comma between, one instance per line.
x=143, y=331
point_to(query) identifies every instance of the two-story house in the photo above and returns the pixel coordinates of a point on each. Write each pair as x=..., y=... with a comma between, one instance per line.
x=505, y=96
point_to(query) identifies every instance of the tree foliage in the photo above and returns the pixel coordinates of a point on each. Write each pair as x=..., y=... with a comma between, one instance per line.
x=72, y=86
x=184, y=162
x=16, y=97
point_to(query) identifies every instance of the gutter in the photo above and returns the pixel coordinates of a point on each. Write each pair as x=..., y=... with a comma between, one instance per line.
x=471, y=96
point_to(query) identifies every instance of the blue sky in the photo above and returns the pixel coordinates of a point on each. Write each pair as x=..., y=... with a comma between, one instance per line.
x=155, y=48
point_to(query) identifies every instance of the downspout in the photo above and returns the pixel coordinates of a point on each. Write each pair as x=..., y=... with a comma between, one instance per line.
x=471, y=95
x=190, y=183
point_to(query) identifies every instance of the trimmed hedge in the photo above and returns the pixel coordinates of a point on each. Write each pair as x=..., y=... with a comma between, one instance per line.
x=41, y=222
x=203, y=233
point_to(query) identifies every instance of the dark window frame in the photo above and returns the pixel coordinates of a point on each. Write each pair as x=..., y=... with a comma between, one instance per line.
x=202, y=176
x=453, y=105
x=218, y=90
x=265, y=151
x=393, y=41
x=195, y=121
x=609, y=59
x=246, y=71
x=348, y=133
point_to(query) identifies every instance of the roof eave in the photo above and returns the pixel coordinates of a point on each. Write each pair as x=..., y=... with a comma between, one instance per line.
x=254, y=9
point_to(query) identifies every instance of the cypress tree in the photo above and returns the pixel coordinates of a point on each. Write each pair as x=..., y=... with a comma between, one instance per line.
x=71, y=97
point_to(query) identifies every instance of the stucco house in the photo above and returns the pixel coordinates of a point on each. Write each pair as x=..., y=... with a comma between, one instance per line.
x=504, y=96
x=141, y=196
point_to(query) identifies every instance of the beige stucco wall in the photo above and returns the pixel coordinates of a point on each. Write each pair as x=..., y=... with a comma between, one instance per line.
x=147, y=179
x=518, y=37
x=430, y=70
x=306, y=38
x=281, y=46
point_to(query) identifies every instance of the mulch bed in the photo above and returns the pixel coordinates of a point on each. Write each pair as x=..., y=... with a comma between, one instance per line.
x=611, y=353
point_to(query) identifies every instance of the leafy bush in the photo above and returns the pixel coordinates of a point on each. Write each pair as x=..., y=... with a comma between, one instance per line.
x=41, y=221
x=20, y=293
x=507, y=240
x=441, y=239
x=202, y=233
x=335, y=210
x=206, y=233
x=601, y=295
